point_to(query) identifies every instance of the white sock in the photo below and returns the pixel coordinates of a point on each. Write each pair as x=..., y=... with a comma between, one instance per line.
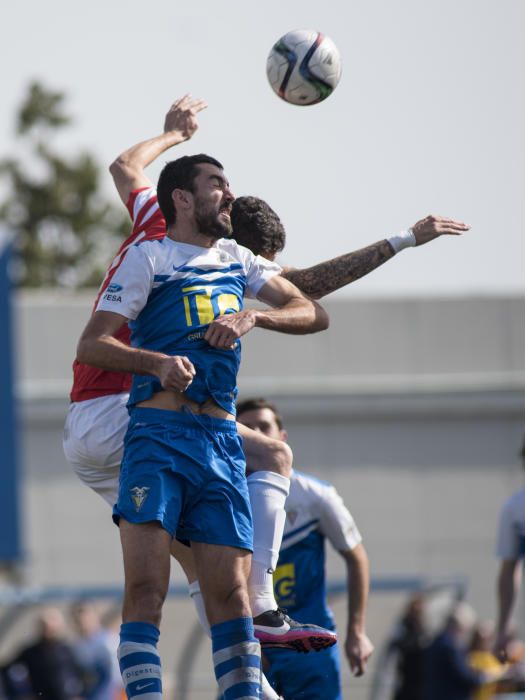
x=198, y=601
x=268, y=693
x=268, y=492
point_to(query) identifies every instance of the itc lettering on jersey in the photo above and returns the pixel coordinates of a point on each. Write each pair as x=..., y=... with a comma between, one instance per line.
x=171, y=292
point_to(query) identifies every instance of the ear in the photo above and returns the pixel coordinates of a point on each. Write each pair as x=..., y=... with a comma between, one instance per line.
x=182, y=199
x=284, y=436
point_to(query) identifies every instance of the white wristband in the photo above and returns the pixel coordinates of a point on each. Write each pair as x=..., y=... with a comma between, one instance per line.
x=405, y=239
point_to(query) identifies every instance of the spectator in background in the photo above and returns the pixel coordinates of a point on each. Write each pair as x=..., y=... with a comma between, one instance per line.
x=47, y=668
x=481, y=659
x=95, y=652
x=408, y=645
x=510, y=550
x=447, y=675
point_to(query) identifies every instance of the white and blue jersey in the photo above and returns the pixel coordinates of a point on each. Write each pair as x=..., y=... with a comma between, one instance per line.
x=511, y=531
x=171, y=292
x=314, y=512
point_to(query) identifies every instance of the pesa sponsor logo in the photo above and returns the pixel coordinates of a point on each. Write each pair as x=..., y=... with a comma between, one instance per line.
x=112, y=293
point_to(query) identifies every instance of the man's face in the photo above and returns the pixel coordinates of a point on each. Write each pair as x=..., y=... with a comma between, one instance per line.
x=263, y=421
x=212, y=199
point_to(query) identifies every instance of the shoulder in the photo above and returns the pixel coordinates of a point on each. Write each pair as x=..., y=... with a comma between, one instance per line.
x=141, y=200
x=309, y=489
x=236, y=251
x=515, y=505
x=311, y=484
x=141, y=196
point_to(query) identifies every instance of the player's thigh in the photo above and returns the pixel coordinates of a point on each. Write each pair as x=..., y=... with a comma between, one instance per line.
x=93, y=442
x=223, y=574
x=146, y=554
x=184, y=555
x=305, y=676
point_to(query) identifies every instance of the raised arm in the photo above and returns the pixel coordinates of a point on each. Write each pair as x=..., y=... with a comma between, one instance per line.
x=326, y=277
x=291, y=313
x=179, y=125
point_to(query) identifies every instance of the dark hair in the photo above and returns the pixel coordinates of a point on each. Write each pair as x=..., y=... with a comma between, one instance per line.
x=257, y=226
x=179, y=174
x=258, y=404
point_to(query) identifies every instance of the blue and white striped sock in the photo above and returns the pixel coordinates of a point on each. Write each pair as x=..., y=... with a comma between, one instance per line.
x=139, y=660
x=237, y=659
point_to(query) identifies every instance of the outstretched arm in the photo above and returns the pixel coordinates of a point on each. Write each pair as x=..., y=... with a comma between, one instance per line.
x=328, y=276
x=358, y=646
x=180, y=125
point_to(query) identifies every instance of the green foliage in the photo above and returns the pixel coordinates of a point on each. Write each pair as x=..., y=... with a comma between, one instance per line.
x=65, y=230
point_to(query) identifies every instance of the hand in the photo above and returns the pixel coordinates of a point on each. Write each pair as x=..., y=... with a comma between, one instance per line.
x=500, y=647
x=182, y=116
x=175, y=373
x=224, y=332
x=434, y=226
x=358, y=650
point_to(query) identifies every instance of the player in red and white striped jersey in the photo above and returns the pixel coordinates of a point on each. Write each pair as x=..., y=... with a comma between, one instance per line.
x=148, y=224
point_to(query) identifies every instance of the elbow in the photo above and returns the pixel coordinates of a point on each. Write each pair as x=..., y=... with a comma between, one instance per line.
x=322, y=319
x=84, y=355
x=118, y=166
x=279, y=458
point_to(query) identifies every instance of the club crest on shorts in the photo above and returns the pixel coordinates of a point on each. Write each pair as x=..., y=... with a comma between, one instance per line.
x=139, y=495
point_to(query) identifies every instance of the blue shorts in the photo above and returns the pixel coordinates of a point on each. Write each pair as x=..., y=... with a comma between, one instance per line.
x=188, y=473
x=305, y=676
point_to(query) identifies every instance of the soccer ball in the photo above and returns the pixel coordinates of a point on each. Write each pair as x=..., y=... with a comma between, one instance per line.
x=304, y=67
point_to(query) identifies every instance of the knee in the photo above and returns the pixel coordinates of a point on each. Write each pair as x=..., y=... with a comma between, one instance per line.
x=143, y=601
x=227, y=603
x=280, y=458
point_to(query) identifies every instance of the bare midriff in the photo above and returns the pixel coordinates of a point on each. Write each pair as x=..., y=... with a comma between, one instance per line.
x=176, y=401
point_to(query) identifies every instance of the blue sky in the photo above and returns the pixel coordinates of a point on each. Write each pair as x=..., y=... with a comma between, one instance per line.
x=428, y=117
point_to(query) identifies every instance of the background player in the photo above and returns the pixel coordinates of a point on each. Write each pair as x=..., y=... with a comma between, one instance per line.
x=511, y=551
x=315, y=512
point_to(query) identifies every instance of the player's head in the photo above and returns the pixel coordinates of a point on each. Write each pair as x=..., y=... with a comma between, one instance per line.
x=85, y=618
x=195, y=187
x=51, y=624
x=261, y=415
x=257, y=227
x=461, y=620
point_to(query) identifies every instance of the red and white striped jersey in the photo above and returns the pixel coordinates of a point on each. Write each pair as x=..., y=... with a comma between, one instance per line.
x=148, y=224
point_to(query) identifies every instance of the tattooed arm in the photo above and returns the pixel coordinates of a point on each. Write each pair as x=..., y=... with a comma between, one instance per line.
x=328, y=276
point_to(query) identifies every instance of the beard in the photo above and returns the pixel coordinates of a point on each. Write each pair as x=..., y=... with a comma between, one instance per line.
x=210, y=222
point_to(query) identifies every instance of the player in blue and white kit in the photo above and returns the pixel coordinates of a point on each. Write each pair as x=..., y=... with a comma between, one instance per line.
x=183, y=471
x=315, y=513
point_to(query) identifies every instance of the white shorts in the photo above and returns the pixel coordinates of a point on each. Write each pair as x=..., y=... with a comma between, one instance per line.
x=94, y=442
